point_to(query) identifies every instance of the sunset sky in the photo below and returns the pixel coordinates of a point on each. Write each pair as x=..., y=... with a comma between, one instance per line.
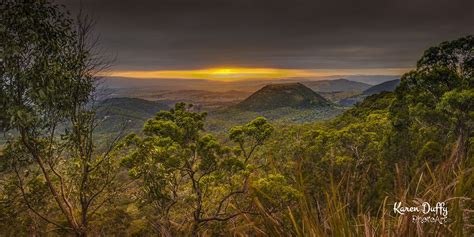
x=240, y=39
x=237, y=73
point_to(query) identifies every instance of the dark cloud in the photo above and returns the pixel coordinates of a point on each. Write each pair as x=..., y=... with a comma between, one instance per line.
x=183, y=34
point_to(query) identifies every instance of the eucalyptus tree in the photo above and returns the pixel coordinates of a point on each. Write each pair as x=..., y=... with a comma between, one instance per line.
x=438, y=98
x=187, y=175
x=47, y=83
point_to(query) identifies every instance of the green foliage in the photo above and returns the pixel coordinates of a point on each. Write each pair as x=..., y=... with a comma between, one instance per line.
x=330, y=178
x=222, y=120
x=274, y=191
x=251, y=135
x=47, y=81
x=455, y=55
x=184, y=171
x=411, y=145
x=434, y=103
x=39, y=72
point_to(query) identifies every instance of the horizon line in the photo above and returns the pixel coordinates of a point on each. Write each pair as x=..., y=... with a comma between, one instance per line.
x=246, y=73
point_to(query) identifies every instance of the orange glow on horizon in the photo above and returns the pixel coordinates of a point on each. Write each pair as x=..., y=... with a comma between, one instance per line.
x=236, y=74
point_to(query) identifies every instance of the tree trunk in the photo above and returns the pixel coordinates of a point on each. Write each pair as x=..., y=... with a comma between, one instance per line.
x=460, y=148
x=195, y=230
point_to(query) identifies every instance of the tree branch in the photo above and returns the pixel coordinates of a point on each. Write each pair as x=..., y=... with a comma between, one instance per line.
x=22, y=190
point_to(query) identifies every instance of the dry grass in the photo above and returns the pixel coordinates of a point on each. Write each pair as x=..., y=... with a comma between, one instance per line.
x=332, y=217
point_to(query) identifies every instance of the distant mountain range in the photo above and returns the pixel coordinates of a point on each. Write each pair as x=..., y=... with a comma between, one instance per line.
x=384, y=86
x=279, y=102
x=388, y=86
x=338, y=85
x=372, y=79
x=323, y=84
x=273, y=96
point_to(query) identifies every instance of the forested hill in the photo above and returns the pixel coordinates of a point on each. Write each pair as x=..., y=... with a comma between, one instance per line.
x=132, y=107
x=337, y=85
x=384, y=86
x=273, y=96
x=130, y=113
x=387, y=86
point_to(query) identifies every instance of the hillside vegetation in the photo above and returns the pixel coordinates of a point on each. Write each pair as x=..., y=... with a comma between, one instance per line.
x=115, y=113
x=273, y=96
x=341, y=177
x=285, y=103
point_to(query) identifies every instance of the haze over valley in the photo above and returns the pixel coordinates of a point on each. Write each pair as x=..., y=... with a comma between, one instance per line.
x=284, y=101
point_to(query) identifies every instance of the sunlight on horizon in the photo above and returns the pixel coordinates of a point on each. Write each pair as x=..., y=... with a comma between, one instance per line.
x=240, y=73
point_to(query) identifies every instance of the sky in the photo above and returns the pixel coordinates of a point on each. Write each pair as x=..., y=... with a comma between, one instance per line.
x=204, y=38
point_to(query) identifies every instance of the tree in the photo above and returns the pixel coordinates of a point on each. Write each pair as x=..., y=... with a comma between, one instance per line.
x=439, y=90
x=455, y=55
x=47, y=83
x=183, y=170
x=458, y=105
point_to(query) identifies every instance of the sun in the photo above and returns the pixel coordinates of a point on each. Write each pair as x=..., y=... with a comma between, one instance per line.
x=224, y=71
